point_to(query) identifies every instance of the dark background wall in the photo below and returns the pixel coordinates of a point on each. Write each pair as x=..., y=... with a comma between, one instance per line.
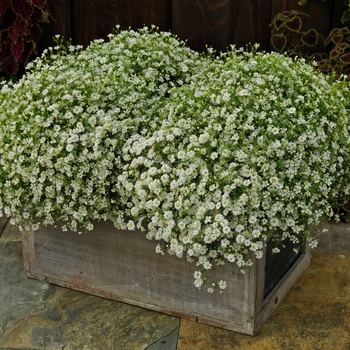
x=217, y=23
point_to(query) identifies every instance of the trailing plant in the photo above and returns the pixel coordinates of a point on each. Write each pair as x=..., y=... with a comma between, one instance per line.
x=19, y=32
x=288, y=35
x=211, y=157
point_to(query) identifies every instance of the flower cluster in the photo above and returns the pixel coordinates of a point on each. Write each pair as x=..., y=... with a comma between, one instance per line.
x=211, y=157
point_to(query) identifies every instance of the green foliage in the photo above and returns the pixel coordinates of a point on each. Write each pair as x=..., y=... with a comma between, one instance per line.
x=288, y=35
x=211, y=157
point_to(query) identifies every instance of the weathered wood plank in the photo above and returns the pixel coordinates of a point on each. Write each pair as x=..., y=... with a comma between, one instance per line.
x=202, y=23
x=96, y=19
x=282, y=288
x=122, y=265
x=60, y=24
x=152, y=12
x=250, y=23
x=338, y=10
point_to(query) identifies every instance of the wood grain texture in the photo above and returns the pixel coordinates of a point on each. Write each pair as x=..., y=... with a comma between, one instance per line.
x=122, y=265
x=250, y=23
x=216, y=23
x=60, y=24
x=96, y=19
x=202, y=23
x=152, y=12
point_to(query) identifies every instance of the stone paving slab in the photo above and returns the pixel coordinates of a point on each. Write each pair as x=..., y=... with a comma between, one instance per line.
x=34, y=315
x=315, y=315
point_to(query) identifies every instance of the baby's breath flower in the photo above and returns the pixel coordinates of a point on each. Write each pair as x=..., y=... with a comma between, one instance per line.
x=212, y=158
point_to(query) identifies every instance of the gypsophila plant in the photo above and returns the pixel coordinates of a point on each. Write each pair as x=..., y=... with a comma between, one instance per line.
x=211, y=157
x=70, y=117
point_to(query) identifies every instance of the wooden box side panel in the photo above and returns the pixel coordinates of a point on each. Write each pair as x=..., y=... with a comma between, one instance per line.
x=123, y=265
x=273, y=300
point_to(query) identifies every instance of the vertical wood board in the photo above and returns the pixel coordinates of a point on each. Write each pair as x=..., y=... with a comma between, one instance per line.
x=202, y=23
x=123, y=265
x=250, y=23
x=96, y=19
x=152, y=12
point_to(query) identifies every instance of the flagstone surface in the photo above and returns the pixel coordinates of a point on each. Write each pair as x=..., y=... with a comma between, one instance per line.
x=34, y=315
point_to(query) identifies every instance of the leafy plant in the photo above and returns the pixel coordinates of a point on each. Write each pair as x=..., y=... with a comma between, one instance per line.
x=211, y=157
x=19, y=32
x=289, y=35
x=338, y=60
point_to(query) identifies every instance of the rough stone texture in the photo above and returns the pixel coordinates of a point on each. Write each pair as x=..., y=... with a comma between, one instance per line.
x=18, y=295
x=3, y=222
x=37, y=315
x=314, y=315
x=336, y=239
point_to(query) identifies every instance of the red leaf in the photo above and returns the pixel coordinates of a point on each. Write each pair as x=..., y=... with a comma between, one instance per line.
x=22, y=8
x=278, y=23
x=5, y=52
x=324, y=66
x=343, y=46
x=17, y=48
x=20, y=28
x=28, y=49
x=279, y=42
x=4, y=5
x=34, y=33
x=328, y=40
x=12, y=35
x=7, y=19
x=11, y=65
x=38, y=3
x=310, y=38
x=333, y=63
x=295, y=24
x=345, y=31
x=334, y=54
x=345, y=58
x=337, y=39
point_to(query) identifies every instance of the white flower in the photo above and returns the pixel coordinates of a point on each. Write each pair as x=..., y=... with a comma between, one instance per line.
x=222, y=284
x=231, y=258
x=208, y=156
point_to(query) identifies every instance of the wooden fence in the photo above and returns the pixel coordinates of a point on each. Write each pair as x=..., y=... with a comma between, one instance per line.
x=217, y=23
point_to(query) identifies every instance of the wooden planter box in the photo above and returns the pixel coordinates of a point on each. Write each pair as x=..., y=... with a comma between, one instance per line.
x=123, y=266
